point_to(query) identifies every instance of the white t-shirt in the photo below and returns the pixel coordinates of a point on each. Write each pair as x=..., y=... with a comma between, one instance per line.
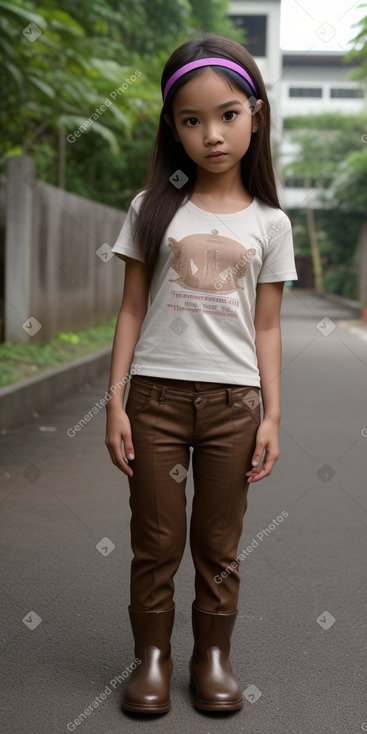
x=199, y=324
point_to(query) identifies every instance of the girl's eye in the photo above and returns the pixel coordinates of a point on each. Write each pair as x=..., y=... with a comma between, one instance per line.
x=228, y=117
x=231, y=114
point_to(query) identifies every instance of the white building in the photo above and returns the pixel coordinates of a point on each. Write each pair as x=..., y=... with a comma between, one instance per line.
x=298, y=82
x=313, y=83
x=316, y=81
x=261, y=19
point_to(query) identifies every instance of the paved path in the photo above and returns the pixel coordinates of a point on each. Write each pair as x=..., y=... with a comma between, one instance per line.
x=299, y=646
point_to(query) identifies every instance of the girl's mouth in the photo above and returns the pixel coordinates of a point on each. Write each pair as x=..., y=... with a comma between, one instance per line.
x=215, y=156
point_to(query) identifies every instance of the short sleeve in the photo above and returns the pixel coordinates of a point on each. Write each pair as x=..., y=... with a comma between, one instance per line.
x=278, y=263
x=125, y=244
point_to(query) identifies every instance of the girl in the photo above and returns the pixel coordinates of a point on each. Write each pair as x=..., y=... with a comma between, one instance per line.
x=207, y=251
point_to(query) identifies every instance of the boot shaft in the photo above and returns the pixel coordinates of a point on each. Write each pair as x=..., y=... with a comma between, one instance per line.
x=212, y=630
x=152, y=629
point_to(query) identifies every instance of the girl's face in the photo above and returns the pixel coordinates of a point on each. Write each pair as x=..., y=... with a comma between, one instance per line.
x=213, y=122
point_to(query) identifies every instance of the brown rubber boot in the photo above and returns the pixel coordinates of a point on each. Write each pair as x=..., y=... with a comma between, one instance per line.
x=211, y=674
x=148, y=688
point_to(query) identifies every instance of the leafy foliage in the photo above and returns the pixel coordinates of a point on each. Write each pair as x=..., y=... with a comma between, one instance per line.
x=330, y=152
x=59, y=65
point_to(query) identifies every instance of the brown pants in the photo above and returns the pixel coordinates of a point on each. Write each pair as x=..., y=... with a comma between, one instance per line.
x=220, y=423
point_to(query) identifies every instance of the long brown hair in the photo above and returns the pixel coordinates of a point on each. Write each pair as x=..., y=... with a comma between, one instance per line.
x=162, y=199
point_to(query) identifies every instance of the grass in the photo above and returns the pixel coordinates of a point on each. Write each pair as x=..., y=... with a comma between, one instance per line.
x=19, y=360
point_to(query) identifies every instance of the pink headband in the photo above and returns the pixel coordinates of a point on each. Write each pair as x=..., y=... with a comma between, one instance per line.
x=207, y=62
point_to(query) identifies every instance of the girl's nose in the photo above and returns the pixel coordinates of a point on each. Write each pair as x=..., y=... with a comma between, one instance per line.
x=213, y=135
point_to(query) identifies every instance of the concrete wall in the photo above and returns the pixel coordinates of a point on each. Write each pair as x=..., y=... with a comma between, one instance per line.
x=59, y=271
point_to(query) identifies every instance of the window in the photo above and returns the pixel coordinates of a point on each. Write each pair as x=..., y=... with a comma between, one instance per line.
x=305, y=92
x=347, y=93
x=297, y=182
x=255, y=27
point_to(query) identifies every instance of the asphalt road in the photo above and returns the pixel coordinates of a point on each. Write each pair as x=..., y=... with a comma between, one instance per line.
x=299, y=646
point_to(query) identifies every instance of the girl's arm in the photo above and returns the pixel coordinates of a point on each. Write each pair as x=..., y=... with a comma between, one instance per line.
x=132, y=312
x=269, y=356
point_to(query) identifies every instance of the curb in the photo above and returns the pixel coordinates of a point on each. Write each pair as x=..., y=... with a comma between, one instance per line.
x=23, y=398
x=342, y=301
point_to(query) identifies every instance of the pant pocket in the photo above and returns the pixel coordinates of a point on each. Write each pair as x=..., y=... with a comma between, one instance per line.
x=248, y=400
x=139, y=396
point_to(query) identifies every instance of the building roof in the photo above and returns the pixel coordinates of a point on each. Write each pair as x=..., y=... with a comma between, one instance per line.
x=316, y=58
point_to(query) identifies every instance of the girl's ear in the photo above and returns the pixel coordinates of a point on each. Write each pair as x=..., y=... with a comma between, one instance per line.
x=254, y=110
x=170, y=122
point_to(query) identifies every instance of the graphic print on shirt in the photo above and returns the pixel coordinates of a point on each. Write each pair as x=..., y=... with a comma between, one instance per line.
x=212, y=264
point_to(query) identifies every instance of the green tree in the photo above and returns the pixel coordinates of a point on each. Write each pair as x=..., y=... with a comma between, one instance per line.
x=323, y=146
x=350, y=189
x=57, y=72
x=50, y=75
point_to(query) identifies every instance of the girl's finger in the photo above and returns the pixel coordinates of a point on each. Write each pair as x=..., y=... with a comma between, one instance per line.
x=255, y=477
x=266, y=469
x=258, y=454
x=118, y=459
x=129, y=449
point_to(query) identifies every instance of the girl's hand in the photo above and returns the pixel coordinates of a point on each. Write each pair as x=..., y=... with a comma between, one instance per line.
x=267, y=438
x=118, y=429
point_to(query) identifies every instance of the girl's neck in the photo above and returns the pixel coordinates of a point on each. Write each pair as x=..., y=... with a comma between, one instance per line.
x=225, y=190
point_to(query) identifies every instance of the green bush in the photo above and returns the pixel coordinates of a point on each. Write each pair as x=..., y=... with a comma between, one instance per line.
x=19, y=360
x=342, y=281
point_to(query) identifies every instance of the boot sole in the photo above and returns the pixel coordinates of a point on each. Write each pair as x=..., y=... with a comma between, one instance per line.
x=215, y=705
x=139, y=708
